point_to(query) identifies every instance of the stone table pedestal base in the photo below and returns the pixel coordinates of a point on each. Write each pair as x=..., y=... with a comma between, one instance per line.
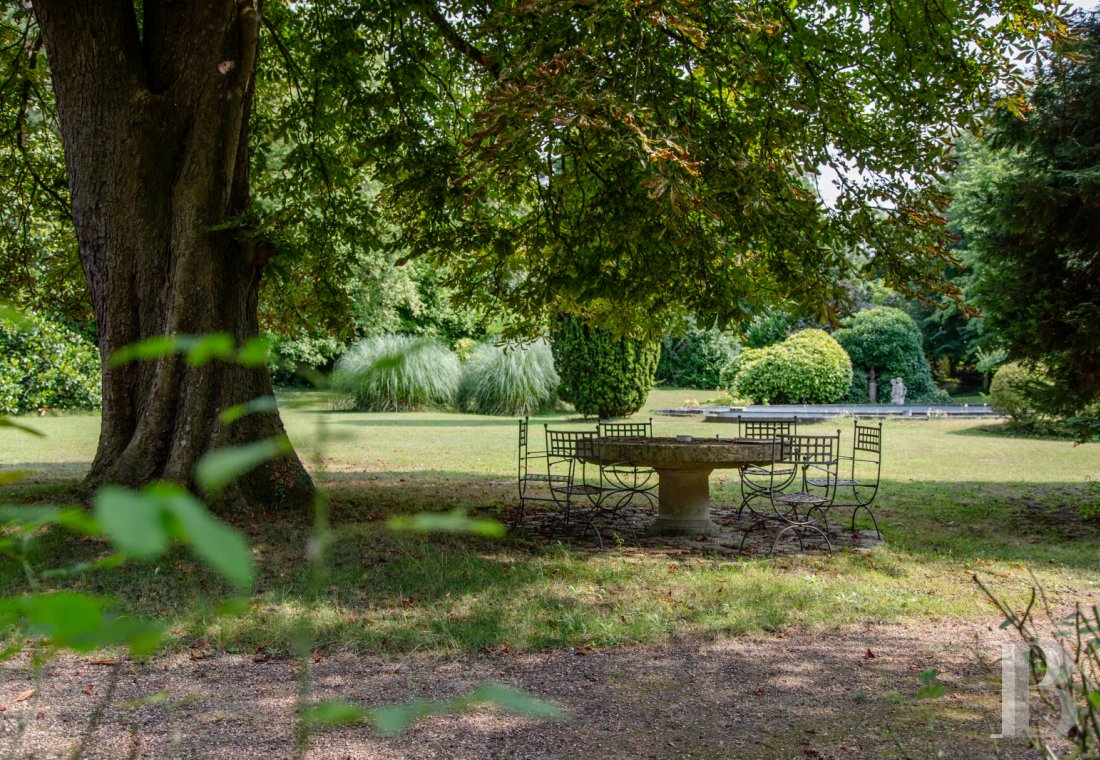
x=684, y=504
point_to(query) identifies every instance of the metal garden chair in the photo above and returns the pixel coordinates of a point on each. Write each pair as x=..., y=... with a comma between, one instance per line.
x=859, y=489
x=795, y=503
x=569, y=454
x=627, y=480
x=534, y=478
x=756, y=481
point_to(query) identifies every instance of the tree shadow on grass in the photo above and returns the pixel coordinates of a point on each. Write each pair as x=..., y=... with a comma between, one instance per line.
x=402, y=592
x=1008, y=430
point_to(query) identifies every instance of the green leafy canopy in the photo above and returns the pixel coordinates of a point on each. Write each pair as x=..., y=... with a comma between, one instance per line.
x=632, y=161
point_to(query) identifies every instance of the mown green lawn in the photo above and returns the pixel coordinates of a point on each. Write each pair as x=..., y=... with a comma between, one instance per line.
x=957, y=498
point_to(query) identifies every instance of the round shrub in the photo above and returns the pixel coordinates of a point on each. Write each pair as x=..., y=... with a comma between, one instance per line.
x=1008, y=392
x=45, y=365
x=888, y=341
x=807, y=368
x=695, y=358
x=396, y=373
x=601, y=375
x=513, y=380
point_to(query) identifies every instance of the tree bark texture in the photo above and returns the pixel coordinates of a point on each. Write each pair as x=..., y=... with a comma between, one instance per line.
x=154, y=119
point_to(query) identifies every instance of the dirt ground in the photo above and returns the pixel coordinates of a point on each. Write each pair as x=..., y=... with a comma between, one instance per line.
x=800, y=694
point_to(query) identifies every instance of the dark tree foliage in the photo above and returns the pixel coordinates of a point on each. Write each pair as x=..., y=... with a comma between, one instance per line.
x=602, y=375
x=1035, y=229
x=694, y=358
x=635, y=161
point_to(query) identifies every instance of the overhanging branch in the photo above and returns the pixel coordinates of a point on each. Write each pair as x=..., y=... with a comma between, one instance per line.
x=454, y=39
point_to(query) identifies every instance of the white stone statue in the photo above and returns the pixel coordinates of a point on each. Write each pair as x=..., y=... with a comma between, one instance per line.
x=897, y=391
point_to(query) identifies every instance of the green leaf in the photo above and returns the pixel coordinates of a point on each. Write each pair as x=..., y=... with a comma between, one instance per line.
x=156, y=347
x=141, y=523
x=221, y=547
x=1094, y=699
x=393, y=719
x=454, y=521
x=261, y=404
x=219, y=468
x=29, y=515
x=935, y=691
x=79, y=521
x=14, y=315
x=333, y=712
x=33, y=517
x=204, y=348
x=66, y=617
x=237, y=606
x=103, y=563
x=518, y=702
x=140, y=636
x=13, y=476
x=10, y=423
x=931, y=689
x=132, y=520
x=255, y=352
x=150, y=699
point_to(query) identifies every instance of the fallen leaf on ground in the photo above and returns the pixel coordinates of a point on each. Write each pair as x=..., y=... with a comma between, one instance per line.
x=25, y=695
x=869, y=655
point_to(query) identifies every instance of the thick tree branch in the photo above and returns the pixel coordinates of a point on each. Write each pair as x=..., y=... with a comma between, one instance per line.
x=454, y=39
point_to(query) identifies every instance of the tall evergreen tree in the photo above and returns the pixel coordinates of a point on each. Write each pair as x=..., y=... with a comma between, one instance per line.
x=1033, y=227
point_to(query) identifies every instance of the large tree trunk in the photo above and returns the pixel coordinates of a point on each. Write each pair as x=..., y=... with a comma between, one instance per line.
x=155, y=127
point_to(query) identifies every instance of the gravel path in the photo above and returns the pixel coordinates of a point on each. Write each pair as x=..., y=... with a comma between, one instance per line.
x=799, y=694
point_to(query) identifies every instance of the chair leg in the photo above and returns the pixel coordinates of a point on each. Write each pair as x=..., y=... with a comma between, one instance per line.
x=870, y=514
x=797, y=530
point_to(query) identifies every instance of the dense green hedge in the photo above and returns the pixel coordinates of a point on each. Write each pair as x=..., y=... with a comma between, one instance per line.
x=45, y=365
x=396, y=373
x=601, y=375
x=809, y=367
x=890, y=342
x=509, y=380
x=695, y=358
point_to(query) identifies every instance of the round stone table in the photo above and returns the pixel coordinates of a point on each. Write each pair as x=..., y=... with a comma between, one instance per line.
x=683, y=471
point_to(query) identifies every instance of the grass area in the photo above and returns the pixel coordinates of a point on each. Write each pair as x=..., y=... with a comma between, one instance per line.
x=955, y=499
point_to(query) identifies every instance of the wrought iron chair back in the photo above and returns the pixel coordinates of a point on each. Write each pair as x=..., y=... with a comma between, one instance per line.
x=572, y=445
x=626, y=482
x=568, y=455
x=766, y=430
x=625, y=429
